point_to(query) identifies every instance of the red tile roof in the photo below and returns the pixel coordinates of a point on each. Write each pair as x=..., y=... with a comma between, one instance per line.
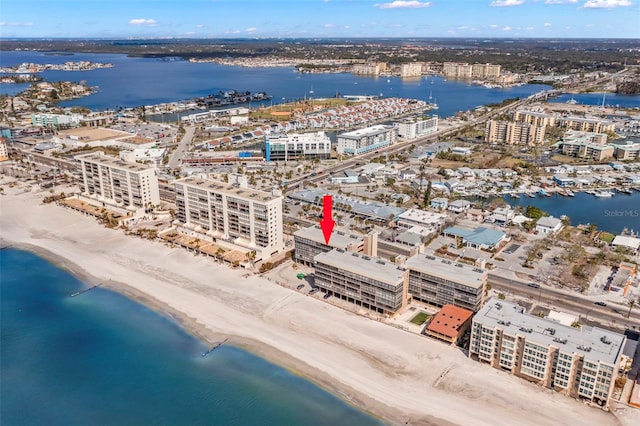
x=448, y=321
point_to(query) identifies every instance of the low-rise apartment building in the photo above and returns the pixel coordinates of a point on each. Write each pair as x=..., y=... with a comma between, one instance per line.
x=438, y=281
x=579, y=362
x=108, y=181
x=365, y=140
x=367, y=281
x=230, y=215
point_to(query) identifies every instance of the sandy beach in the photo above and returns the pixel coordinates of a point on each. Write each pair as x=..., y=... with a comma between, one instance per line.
x=399, y=376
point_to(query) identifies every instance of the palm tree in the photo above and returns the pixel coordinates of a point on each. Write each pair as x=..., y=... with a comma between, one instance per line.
x=632, y=303
x=251, y=257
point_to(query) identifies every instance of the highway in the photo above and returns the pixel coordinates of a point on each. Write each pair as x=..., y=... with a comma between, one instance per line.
x=610, y=316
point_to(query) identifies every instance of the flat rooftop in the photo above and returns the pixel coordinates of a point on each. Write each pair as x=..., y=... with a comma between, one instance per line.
x=422, y=216
x=594, y=343
x=339, y=239
x=366, y=266
x=468, y=275
x=367, y=131
x=449, y=320
x=233, y=190
x=108, y=160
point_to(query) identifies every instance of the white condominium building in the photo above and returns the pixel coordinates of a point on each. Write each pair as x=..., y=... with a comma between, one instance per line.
x=293, y=146
x=413, y=128
x=365, y=140
x=579, y=362
x=111, y=182
x=230, y=215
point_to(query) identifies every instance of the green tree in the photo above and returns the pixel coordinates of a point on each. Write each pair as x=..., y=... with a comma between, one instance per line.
x=427, y=195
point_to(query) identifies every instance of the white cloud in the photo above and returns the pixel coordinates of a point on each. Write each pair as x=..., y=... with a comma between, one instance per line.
x=494, y=26
x=143, y=21
x=329, y=25
x=251, y=29
x=200, y=26
x=501, y=3
x=507, y=28
x=606, y=4
x=560, y=1
x=401, y=4
x=16, y=24
x=547, y=24
x=529, y=28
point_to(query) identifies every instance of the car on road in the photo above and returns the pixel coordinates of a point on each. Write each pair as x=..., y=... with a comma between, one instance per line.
x=534, y=285
x=300, y=287
x=600, y=303
x=326, y=296
x=314, y=290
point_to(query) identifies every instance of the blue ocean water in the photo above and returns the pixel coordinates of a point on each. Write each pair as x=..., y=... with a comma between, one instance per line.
x=133, y=82
x=610, y=214
x=100, y=358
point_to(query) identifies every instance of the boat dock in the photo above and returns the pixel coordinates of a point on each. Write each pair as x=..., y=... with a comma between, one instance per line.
x=214, y=347
x=78, y=293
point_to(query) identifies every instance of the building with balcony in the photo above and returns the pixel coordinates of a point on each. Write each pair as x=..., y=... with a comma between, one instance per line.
x=438, y=281
x=449, y=324
x=366, y=281
x=413, y=69
x=231, y=215
x=107, y=181
x=579, y=362
x=292, y=146
x=511, y=133
x=365, y=140
x=309, y=242
x=416, y=127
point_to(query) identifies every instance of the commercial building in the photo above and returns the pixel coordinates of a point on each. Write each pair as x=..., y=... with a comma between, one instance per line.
x=518, y=133
x=367, y=281
x=230, y=215
x=579, y=362
x=449, y=324
x=413, y=128
x=365, y=140
x=309, y=242
x=292, y=146
x=440, y=281
x=110, y=182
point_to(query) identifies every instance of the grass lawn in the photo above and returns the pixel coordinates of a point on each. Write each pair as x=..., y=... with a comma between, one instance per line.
x=421, y=318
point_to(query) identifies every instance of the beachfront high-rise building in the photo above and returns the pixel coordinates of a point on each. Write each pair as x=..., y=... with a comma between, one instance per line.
x=440, y=281
x=518, y=133
x=110, y=182
x=369, y=68
x=365, y=140
x=411, y=128
x=536, y=118
x=579, y=362
x=309, y=242
x=56, y=120
x=230, y=215
x=292, y=146
x=367, y=281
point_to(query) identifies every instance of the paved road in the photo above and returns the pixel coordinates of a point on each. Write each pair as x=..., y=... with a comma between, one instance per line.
x=178, y=153
x=612, y=315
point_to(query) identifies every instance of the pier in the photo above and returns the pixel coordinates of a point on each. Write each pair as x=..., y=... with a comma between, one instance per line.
x=214, y=347
x=78, y=293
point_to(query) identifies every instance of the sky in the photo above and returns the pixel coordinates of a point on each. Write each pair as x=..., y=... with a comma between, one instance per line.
x=320, y=18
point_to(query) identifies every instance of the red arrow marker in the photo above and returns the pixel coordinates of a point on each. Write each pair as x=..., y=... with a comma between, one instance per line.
x=327, y=221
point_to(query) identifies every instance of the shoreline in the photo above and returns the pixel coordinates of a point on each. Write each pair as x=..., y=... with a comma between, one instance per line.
x=396, y=376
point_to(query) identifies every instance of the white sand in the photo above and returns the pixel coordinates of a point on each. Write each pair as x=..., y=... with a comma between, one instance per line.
x=399, y=376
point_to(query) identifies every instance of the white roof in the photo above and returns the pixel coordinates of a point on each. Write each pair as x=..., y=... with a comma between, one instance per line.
x=626, y=241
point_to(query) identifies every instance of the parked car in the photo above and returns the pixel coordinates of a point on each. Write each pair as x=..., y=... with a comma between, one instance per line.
x=300, y=287
x=326, y=296
x=314, y=290
x=534, y=285
x=600, y=303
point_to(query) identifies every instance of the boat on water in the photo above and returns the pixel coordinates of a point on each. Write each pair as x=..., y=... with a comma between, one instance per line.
x=570, y=193
x=572, y=101
x=625, y=191
x=603, y=194
x=514, y=195
x=530, y=195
